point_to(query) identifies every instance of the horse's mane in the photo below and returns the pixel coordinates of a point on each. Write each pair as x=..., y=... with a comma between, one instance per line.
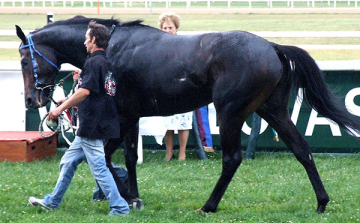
x=79, y=19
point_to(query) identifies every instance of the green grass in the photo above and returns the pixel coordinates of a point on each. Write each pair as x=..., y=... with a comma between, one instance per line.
x=9, y=55
x=271, y=188
x=323, y=55
x=224, y=22
x=211, y=22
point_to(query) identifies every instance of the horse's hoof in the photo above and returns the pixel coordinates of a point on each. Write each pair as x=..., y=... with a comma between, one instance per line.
x=321, y=209
x=322, y=205
x=137, y=204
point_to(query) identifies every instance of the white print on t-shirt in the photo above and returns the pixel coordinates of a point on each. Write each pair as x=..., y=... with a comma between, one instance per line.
x=110, y=84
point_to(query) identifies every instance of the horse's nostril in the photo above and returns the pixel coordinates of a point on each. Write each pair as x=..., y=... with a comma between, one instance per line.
x=28, y=102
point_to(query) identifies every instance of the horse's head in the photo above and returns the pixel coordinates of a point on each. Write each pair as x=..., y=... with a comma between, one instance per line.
x=39, y=67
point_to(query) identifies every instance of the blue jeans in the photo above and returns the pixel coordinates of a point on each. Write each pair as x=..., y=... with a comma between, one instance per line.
x=93, y=150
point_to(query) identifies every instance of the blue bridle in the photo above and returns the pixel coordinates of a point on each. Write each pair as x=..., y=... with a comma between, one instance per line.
x=32, y=48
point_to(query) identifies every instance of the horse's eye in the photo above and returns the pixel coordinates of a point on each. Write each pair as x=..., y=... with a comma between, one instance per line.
x=24, y=63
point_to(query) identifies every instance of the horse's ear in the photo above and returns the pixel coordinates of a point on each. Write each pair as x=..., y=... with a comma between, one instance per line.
x=20, y=34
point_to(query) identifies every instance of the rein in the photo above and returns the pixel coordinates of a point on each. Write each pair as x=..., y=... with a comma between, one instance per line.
x=32, y=48
x=61, y=82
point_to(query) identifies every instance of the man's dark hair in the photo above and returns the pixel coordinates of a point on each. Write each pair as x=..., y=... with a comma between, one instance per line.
x=101, y=34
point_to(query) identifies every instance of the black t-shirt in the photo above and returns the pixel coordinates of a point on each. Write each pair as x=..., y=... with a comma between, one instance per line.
x=98, y=116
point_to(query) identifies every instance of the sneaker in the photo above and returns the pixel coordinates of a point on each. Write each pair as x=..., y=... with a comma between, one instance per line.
x=35, y=202
x=118, y=214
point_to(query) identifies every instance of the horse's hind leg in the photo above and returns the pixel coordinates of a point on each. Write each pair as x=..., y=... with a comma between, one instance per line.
x=130, y=143
x=279, y=119
x=230, y=129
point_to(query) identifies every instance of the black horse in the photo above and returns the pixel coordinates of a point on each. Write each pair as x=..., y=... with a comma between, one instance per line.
x=159, y=74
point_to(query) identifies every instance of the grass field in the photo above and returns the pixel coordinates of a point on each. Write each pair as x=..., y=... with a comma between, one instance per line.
x=210, y=22
x=271, y=188
x=224, y=22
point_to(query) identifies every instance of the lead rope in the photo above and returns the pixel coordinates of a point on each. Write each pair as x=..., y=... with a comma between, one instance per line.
x=62, y=120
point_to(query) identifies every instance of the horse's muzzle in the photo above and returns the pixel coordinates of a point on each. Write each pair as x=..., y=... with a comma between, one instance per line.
x=39, y=99
x=28, y=102
x=33, y=103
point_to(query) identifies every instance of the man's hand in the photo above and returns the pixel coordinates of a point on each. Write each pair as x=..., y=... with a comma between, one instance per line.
x=75, y=99
x=76, y=75
x=53, y=114
x=61, y=101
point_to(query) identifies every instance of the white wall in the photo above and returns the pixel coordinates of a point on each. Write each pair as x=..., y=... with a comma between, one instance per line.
x=12, y=101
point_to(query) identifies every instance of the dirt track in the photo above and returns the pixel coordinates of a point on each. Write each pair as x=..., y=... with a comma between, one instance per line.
x=108, y=10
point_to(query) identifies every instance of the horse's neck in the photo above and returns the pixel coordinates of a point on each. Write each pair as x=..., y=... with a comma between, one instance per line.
x=69, y=48
x=74, y=51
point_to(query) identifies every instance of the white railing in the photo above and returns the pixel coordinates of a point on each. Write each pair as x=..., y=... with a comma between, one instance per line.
x=129, y=3
x=52, y=2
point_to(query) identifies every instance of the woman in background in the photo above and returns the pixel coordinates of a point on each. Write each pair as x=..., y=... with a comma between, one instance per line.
x=170, y=23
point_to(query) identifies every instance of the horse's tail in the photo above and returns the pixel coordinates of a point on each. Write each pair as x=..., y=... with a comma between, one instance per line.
x=303, y=72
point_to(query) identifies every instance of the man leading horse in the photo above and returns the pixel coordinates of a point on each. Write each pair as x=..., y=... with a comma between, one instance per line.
x=99, y=121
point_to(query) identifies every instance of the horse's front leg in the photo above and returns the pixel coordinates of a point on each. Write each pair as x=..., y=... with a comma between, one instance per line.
x=230, y=129
x=111, y=146
x=131, y=157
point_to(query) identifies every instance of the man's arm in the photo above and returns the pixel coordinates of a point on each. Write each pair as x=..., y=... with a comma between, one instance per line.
x=75, y=99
